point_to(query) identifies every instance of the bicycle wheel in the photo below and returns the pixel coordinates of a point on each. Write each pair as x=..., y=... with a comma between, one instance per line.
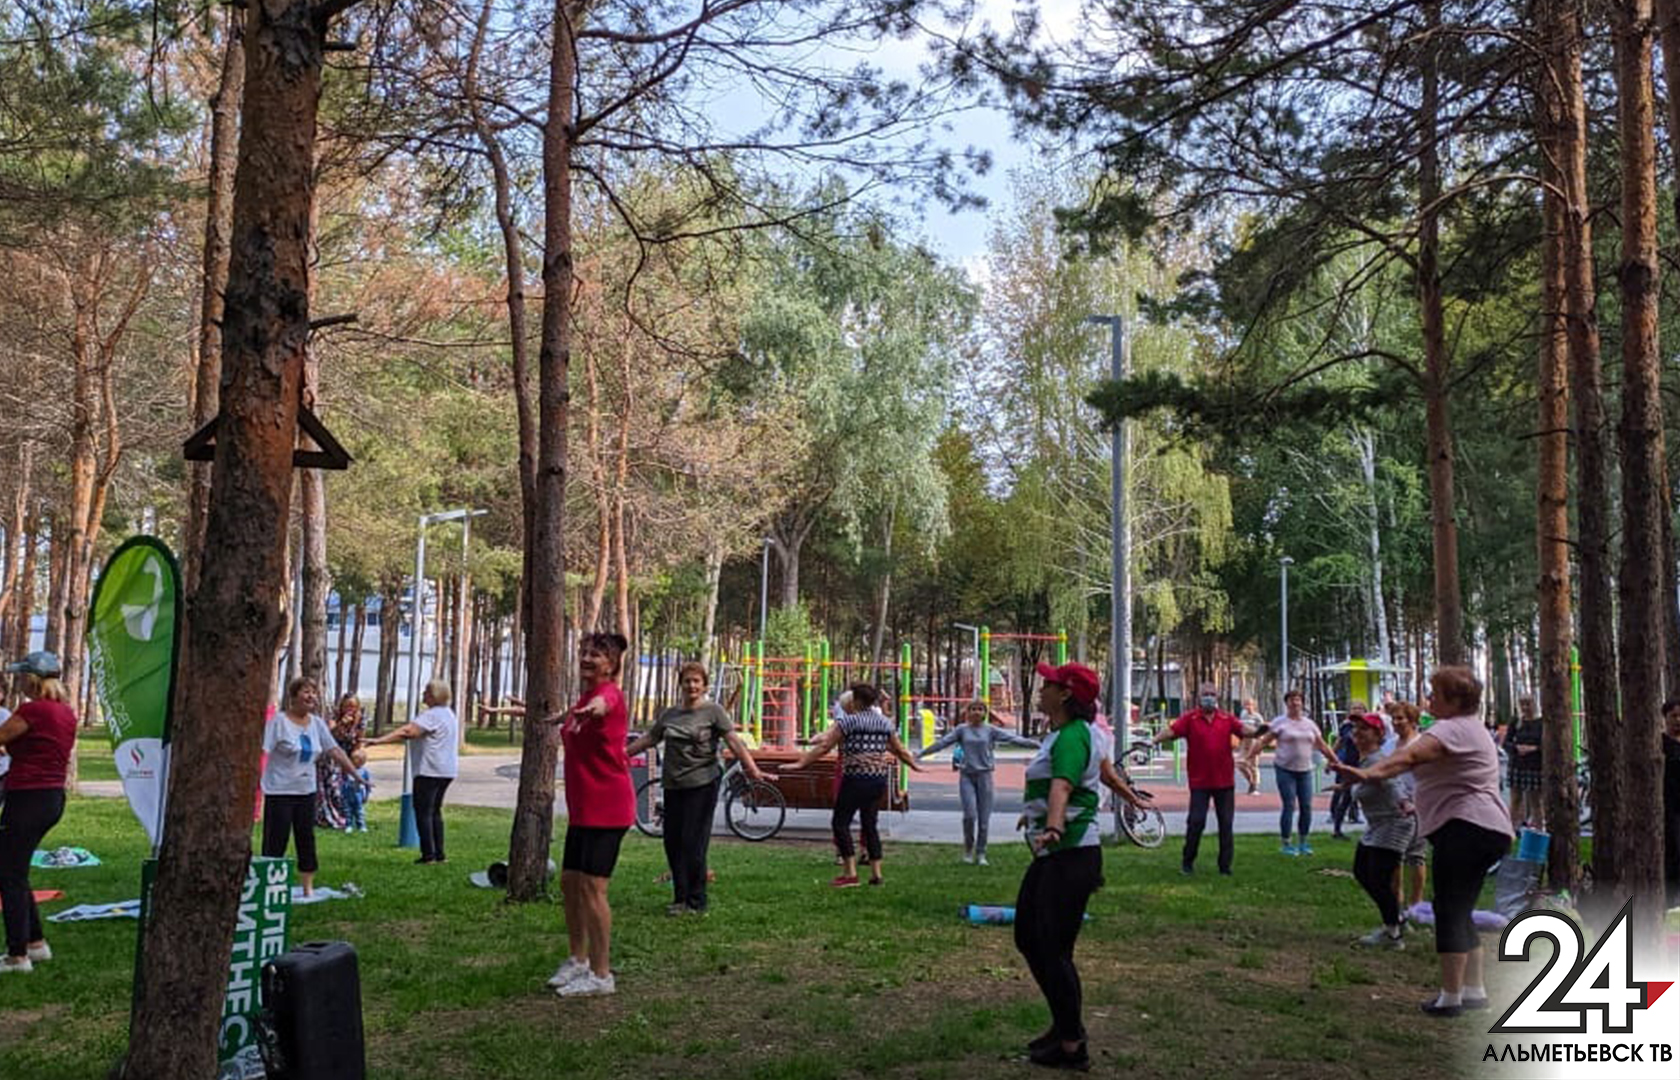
x=650, y=807
x=754, y=810
x=1139, y=753
x=1146, y=828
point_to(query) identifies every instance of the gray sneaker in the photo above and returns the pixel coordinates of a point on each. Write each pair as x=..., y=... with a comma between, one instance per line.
x=1381, y=938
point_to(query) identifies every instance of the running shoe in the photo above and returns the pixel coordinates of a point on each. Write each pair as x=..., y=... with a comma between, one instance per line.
x=1304, y=849
x=565, y=973
x=589, y=984
x=1289, y=849
x=845, y=882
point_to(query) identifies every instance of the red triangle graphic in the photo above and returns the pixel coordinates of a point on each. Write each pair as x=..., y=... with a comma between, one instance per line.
x=1653, y=991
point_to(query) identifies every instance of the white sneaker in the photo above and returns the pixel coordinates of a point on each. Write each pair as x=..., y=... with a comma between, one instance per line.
x=968, y=856
x=12, y=965
x=588, y=984
x=38, y=953
x=568, y=972
x=982, y=860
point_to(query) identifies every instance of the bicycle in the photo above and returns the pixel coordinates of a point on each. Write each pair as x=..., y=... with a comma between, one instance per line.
x=754, y=810
x=1145, y=827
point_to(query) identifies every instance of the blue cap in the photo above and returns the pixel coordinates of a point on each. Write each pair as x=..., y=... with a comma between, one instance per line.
x=41, y=664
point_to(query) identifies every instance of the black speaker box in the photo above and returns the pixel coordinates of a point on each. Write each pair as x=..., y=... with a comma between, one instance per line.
x=312, y=1014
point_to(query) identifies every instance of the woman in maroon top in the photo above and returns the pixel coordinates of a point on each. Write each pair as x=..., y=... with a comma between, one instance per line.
x=600, y=808
x=39, y=737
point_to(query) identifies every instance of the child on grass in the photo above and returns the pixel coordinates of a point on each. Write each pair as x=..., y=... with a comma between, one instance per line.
x=351, y=790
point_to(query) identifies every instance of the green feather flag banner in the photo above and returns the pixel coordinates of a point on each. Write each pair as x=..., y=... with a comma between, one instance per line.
x=133, y=637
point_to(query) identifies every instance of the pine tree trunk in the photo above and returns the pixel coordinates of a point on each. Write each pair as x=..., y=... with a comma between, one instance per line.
x=1559, y=797
x=218, y=225
x=1597, y=642
x=58, y=557
x=533, y=816
x=14, y=551
x=1449, y=608
x=21, y=630
x=1642, y=582
x=338, y=653
x=234, y=624
x=317, y=581
x=708, y=627
x=390, y=642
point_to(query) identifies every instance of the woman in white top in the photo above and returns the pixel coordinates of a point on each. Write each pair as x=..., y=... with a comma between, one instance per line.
x=1296, y=736
x=433, y=761
x=294, y=740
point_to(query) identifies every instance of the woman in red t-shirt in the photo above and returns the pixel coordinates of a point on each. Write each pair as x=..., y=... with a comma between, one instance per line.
x=39, y=737
x=600, y=807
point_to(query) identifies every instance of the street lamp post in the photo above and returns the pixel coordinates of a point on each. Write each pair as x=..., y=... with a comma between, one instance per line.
x=764, y=590
x=1285, y=563
x=407, y=834
x=1120, y=590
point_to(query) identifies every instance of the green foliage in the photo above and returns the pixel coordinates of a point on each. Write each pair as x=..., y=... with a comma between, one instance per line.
x=788, y=631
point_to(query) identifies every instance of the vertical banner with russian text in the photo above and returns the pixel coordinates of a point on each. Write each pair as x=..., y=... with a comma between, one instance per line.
x=133, y=633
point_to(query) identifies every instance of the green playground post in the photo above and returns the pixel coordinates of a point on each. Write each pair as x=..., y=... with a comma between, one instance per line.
x=983, y=664
x=1178, y=764
x=1579, y=710
x=805, y=712
x=822, y=651
x=1061, y=647
x=904, y=711
x=758, y=698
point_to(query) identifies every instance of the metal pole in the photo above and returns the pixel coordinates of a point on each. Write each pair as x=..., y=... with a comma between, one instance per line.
x=463, y=662
x=1120, y=591
x=408, y=834
x=764, y=589
x=1283, y=683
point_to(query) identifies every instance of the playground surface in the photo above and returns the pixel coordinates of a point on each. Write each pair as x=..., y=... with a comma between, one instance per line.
x=1250, y=977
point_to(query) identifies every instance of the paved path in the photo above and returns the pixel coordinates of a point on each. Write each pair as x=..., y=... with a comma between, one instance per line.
x=492, y=780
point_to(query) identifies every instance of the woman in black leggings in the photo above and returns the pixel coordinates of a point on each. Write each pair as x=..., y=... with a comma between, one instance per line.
x=1456, y=766
x=294, y=741
x=433, y=761
x=39, y=738
x=867, y=745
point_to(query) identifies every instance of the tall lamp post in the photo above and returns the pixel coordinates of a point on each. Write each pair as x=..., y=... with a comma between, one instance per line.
x=1120, y=591
x=1284, y=564
x=764, y=590
x=407, y=834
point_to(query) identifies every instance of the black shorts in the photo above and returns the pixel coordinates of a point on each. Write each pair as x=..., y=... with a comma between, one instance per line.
x=591, y=851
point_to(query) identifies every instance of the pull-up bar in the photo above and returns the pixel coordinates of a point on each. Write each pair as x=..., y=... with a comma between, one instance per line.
x=985, y=658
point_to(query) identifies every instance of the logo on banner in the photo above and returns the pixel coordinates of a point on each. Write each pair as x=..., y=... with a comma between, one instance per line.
x=141, y=619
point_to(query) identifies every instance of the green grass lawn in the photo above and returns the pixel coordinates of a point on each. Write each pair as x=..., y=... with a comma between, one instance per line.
x=1250, y=977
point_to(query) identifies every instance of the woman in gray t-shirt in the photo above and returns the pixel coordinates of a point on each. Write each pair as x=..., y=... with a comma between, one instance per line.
x=975, y=737
x=1389, y=828
x=693, y=733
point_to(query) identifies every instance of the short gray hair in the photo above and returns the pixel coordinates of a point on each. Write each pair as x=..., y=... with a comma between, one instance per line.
x=439, y=691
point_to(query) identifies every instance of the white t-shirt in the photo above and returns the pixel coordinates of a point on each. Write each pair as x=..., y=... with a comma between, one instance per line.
x=293, y=752
x=435, y=753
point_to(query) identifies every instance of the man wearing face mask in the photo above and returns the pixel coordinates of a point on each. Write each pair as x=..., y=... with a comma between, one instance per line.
x=1207, y=732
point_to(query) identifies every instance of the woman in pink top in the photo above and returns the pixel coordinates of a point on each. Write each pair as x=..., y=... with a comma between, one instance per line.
x=1456, y=766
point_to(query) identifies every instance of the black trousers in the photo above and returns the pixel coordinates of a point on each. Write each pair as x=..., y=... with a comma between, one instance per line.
x=27, y=817
x=1049, y=910
x=289, y=816
x=859, y=794
x=688, y=836
x=1341, y=802
x=428, y=814
x=1374, y=868
x=1461, y=856
x=1224, y=802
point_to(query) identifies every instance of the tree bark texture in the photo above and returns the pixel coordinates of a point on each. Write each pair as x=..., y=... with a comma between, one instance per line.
x=1449, y=608
x=533, y=816
x=234, y=622
x=358, y=631
x=1560, y=800
x=1641, y=582
x=218, y=226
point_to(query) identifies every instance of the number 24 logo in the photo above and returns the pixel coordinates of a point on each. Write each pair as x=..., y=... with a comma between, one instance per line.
x=1568, y=987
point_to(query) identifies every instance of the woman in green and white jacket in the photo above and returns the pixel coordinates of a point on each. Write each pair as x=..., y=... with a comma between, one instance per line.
x=1062, y=800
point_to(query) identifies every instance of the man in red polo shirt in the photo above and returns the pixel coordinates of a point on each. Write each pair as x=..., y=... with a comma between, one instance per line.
x=1207, y=732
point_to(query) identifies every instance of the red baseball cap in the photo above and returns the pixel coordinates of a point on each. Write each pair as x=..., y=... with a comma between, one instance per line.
x=1370, y=719
x=1079, y=681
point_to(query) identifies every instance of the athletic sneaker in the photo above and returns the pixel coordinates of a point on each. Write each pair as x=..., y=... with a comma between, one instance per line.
x=1289, y=849
x=38, y=953
x=12, y=965
x=1304, y=849
x=588, y=984
x=845, y=882
x=676, y=909
x=571, y=969
x=981, y=859
x=968, y=856
x=1381, y=938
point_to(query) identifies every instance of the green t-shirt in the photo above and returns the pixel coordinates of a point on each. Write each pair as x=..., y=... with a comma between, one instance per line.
x=693, y=739
x=1068, y=753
